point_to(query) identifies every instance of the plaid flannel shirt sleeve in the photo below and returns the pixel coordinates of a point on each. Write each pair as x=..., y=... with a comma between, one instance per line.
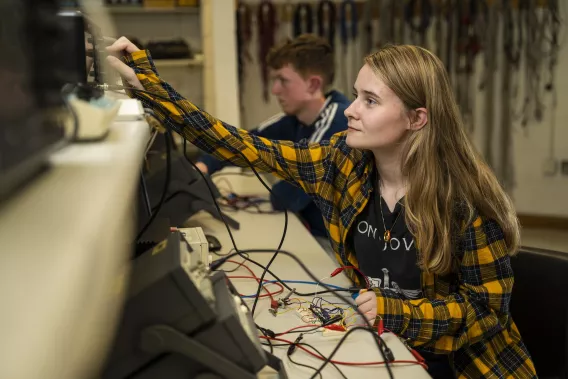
x=300, y=163
x=473, y=313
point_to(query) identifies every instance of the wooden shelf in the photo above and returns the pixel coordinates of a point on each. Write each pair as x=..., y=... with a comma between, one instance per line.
x=145, y=10
x=195, y=62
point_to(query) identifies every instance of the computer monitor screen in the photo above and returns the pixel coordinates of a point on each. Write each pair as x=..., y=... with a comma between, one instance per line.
x=188, y=192
x=40, y=54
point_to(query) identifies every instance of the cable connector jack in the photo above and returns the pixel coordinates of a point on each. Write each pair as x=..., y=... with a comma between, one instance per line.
x=412, y=351
x=343, y=268
x=284, y=301
x=292, y=347
x=274, y=305
x=111, y=87
x=380, y=326
x=389, y=355
x=104, y=86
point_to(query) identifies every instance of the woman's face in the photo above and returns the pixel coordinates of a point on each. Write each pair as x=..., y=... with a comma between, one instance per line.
x=377, y=118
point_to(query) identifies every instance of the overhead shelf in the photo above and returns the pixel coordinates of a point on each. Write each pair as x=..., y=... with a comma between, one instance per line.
x=144, y=10
x=196, y=61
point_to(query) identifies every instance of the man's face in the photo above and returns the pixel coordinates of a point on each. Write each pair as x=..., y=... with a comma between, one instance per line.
x=291, y=89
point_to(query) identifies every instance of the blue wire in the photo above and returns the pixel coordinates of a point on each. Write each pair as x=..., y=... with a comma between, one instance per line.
x=297, y=282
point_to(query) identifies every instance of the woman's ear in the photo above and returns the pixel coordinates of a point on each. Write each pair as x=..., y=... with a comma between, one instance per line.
x=418, y=118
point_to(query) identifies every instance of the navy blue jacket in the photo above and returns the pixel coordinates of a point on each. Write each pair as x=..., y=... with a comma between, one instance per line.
x=282, y=127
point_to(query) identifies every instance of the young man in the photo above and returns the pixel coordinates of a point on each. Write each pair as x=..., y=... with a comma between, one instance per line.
x=301, y=71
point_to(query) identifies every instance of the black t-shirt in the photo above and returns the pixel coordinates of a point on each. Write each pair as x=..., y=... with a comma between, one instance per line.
x=388, y=265
x=392, y=265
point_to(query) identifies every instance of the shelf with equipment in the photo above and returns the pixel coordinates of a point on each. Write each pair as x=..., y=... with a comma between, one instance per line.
x=196, y=61
x=149, y=26
x=141, y=10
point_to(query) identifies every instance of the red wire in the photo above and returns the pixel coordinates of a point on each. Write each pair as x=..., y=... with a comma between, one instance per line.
x=339, y=269
x=308, y=326
x=269, y=294
x=242, y=264
x=299, y=327
x=345, y=363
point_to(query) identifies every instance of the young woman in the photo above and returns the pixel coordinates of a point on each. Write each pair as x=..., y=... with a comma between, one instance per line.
x=405, y=198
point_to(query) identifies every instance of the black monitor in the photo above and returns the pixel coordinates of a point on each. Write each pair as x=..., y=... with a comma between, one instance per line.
x=38, y=46
x=188, y=191
x=181, y=321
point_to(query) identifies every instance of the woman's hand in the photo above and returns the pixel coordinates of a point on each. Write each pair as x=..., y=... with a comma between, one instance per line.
x=367, y=304
x=117, y=50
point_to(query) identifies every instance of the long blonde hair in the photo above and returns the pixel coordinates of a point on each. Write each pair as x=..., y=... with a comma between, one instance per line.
x=444, y=171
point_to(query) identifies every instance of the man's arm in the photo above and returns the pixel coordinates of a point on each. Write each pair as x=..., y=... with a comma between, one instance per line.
x=208, y=164
x=288, y=196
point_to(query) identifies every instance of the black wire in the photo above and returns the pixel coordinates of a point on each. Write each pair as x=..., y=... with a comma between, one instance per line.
x=247, y=209
x=285, y=285
x=145, y=197
x=165, y=190
x=369, y=327
x=239, y=265
x=333, y=364
x=220, y=173
x=274, y=252
x=303, y=331
x=259, y=289
x=263, y=331
x=260, y=283
x=343, y=339
x=304, y=365
x=270, y=343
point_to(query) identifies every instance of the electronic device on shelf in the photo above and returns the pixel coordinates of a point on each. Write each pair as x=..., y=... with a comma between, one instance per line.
x=182, y=321
x=188, y=192
x=44, y=58
x=34, y=67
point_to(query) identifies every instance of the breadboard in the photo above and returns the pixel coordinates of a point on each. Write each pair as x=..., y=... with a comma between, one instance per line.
x=332, y=333
x=307, y=316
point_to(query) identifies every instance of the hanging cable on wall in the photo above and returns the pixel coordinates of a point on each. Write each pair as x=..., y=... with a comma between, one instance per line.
x=286, y=20
x=512, y=48
x=326, y=16
x=267, y=27
x=487, y=82
x=244, y=35
x=386, y=23
x=541, y=27
x=532, y=104
x=553, y=21
x=400, y=29
x=451, y=20
x=467, y=48
x=349, y=30
x=513, y=43
x=439, y=8
x=372, y=25
x=418, y=31
x=303, y=19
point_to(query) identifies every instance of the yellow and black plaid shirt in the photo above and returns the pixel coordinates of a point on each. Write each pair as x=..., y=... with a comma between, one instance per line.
x=465, y=315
